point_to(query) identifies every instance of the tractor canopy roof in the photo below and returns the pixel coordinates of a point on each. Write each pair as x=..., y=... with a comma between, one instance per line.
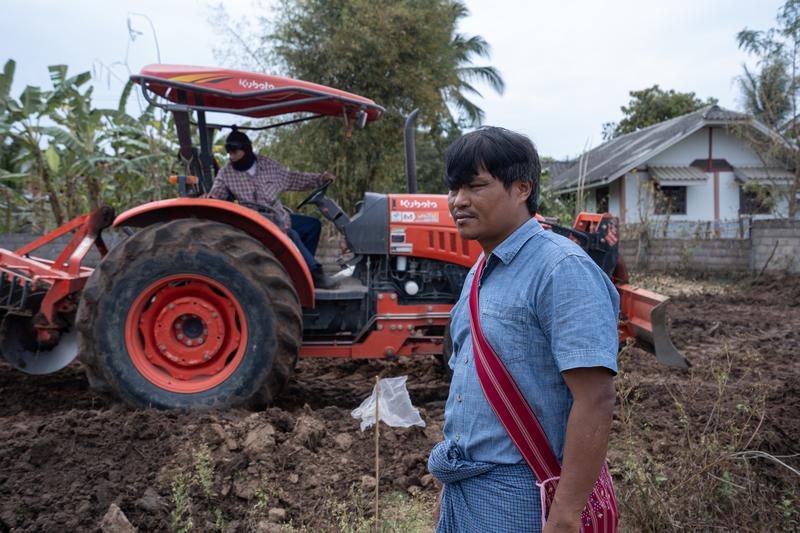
x=247, y=93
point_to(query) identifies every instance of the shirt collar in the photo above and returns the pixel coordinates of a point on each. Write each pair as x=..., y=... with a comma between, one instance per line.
x=507, y=250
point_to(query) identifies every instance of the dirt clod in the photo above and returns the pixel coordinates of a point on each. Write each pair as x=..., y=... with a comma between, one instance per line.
x=115, y=521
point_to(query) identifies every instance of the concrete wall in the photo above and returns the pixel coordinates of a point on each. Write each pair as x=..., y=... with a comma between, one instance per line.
x=779, y=236
x=680, y=154
x=720, y=256
x=728, y=146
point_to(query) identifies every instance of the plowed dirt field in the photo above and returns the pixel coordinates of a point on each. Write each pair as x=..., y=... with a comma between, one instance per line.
x=66, y=456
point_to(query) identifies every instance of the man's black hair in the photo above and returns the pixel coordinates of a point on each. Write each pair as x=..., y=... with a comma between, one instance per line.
x=506, y=155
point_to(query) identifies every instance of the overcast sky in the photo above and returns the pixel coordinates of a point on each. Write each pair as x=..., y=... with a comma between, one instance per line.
x=568, y=65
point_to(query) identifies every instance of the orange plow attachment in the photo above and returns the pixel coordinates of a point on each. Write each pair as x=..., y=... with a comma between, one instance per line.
x=643, y=315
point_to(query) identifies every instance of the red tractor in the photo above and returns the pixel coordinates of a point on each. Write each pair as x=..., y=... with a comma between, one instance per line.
x=210, y=304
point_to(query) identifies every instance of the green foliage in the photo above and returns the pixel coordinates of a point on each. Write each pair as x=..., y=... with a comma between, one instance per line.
x=264, y=492
x=57, y=150
x=396, y=53
x=652, y=106
x=219, y=521
x=404, y=55
x=204, y=466
x=560, y=206
x=430, y=147
x=766, y=93
x=182, y=520
x=788, y=507
x=771, y=94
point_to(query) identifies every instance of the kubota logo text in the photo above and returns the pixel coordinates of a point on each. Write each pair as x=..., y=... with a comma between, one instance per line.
x=252, y=84
x=411, y=204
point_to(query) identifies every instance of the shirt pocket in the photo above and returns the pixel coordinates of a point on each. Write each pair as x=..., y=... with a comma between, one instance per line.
x=505, y=327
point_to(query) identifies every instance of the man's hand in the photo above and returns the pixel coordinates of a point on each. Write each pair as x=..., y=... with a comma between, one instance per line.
x=327, y=176
x=208, y=195
x=585, y=446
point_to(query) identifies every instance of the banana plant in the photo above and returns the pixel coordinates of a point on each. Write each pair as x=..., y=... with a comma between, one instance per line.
x=144, y=149
x=23, y=125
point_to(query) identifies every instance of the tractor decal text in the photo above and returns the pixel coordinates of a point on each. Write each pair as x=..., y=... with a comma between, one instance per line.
x=416, y=204
x=252, y=84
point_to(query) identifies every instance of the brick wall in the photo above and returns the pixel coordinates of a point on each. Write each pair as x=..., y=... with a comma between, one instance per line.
x=779, y=239
x=720, y=256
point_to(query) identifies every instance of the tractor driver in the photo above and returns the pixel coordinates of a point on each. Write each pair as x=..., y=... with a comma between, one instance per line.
x=256, y=178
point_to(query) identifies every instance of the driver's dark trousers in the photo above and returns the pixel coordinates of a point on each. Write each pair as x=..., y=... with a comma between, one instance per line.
x=305, y=232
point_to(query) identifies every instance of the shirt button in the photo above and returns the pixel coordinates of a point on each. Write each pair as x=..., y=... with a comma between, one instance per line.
x=466, y=359
x=458, y=437
x=459, y=398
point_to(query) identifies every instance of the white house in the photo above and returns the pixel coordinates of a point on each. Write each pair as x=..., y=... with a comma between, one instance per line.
x=695, y=161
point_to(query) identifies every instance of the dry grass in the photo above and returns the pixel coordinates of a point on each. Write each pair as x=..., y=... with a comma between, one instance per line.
x=399, y=512
x=686, y=285
x=711, y=479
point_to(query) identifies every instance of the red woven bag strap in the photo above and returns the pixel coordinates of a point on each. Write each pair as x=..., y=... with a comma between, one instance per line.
x=506, y=399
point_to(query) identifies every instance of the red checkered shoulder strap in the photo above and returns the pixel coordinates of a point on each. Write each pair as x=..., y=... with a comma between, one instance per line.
x=506, y=399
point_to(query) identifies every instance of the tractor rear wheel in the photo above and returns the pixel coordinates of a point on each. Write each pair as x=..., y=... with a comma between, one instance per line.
x=189, y=314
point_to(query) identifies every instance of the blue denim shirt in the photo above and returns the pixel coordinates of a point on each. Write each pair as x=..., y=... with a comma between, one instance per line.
x=545, y=307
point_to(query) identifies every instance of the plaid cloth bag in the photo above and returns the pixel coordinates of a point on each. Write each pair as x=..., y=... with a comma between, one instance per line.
x=600, y=514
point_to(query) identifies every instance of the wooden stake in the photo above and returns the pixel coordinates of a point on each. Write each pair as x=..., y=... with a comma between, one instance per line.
x=377, y=434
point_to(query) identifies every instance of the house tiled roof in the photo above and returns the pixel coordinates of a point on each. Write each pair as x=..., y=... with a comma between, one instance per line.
x=771, y=174
x=557, y=167
x=618, y=156
x=720, y=113
x=680, y=174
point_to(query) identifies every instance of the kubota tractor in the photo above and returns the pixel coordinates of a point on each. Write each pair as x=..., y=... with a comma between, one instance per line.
x=209, y=304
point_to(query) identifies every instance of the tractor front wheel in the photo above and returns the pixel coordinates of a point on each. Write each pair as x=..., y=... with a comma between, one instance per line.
x=189, y=314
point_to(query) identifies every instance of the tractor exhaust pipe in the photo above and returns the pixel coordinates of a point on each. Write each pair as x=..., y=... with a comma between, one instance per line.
x=411, y=153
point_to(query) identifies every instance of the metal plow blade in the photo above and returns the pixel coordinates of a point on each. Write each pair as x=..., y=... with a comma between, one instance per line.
x=23, y=354
x=644, y=316
x=666, y=352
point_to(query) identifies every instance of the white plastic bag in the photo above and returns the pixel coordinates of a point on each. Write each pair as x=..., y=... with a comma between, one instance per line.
x=395, y=406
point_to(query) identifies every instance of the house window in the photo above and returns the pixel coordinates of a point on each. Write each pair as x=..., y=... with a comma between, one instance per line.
x=601, y=199
x=670, y=201
x=754, y=202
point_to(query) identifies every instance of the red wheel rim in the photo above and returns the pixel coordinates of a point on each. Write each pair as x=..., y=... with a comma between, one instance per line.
x=186, y=333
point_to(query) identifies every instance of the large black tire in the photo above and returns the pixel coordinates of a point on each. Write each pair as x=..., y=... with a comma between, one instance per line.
x=124, y=307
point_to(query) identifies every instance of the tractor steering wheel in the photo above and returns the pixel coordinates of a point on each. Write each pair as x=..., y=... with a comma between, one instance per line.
x=316, y=196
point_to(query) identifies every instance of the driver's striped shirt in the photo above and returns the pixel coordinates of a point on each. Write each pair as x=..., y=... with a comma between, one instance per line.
x=264, y=185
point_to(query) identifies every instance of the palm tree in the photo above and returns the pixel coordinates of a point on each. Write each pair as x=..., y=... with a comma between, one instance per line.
x=464, y=50
x=766, y=96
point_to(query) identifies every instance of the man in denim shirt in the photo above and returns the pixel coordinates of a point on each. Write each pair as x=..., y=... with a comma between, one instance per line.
x=551, y=314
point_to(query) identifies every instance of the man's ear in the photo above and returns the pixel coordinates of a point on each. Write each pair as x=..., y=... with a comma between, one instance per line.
x=523, y=189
